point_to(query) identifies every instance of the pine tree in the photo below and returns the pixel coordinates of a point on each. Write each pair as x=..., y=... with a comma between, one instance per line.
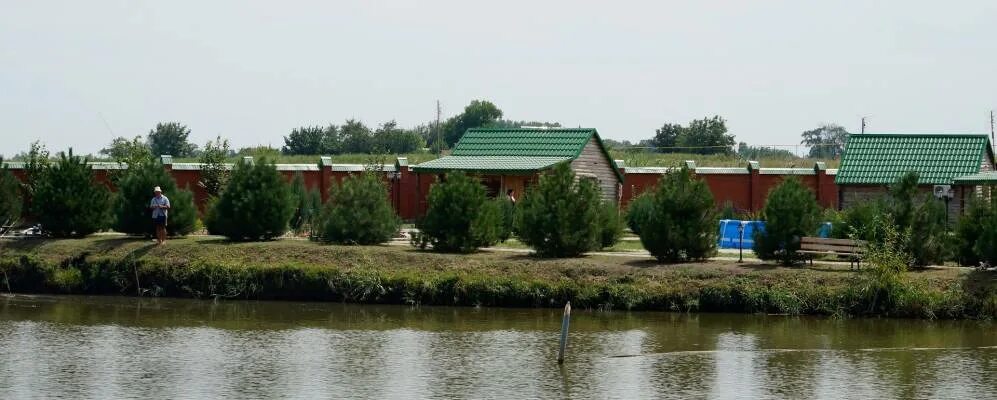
x=358, y=212
x=639, y=210
x=67, y=201
x=790, y=213
x=559, y=217
x=132, y=213
x=611, y=224
x=307, y=204
x=508, y=209
x=459, y=218
x=255, y=205
x=10, y=196
x=679, y=220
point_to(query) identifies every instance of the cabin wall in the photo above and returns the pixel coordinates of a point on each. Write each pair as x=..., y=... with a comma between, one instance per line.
x=593, y=161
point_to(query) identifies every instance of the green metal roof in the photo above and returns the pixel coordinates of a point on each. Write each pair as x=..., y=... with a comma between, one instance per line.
x=880, y=159
x=551, y=142
x=516, y=150
x=490, y=164
x=982, y=178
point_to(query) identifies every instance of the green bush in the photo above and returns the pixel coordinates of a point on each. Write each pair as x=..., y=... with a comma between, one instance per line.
x=67, y=201
x=508, y=209
x=459, y=218
x=790, y=213
x=255, y=204
x=307, y=205
x=923, y=216
x=977, y=233
x=358, y=212
x=856, y=222
x=611, y=225
x=639, y=210
x=559, y=217
x=681, y=221
x=908, y=209
x=10, y=196
x=132, y=213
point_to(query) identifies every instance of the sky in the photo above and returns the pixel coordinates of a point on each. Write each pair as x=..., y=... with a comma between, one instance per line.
x=76, y=74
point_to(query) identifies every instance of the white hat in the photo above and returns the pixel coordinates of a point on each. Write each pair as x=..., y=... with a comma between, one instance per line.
x=157, y=189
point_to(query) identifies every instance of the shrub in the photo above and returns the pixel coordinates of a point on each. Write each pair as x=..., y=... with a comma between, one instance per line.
x=907, y=209
x=790, y=213
x=459, y=218
x=856, y=222
x=67, y=201
x=727, y=211
x=611, y=225
x=508, y=209
x=923, y=216
x=307, y=205
x=559, y=217
x=639, y=210
x=883, y=288
x=681, y=222
x=977, y=233
x=131, y=211
x=358, y=212
x=254, y=205
x=10, y=196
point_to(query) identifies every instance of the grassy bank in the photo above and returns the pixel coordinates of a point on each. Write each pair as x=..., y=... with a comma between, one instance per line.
x=289, y=269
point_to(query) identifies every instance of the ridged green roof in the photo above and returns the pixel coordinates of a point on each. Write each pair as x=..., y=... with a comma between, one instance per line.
x=554, y=142
x=490, y=164
x=516, y=150
x=880, y=159
x=982, y=178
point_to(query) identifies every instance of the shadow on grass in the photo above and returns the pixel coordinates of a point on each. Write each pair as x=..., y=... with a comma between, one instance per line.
x=26, y=244
x=104, y=244
x=980, y=281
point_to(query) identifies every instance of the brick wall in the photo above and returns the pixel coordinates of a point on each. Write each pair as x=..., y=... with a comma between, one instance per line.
x=746, y=188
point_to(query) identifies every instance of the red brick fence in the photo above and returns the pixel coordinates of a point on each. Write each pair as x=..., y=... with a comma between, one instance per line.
x=744, y=187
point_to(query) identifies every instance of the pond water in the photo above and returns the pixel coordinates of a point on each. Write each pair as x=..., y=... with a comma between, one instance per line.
x=115, y=347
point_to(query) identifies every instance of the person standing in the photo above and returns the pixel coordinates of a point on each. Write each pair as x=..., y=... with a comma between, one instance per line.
x=160, y=206
x=511, y=196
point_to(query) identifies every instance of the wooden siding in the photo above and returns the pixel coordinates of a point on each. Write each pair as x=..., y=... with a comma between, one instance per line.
x=593, y=161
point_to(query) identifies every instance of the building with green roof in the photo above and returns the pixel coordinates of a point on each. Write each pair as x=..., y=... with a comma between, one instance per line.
x=947, y=164
x=512, y=158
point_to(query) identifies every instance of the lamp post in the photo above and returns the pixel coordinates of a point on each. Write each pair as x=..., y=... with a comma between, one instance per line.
x=740, y=245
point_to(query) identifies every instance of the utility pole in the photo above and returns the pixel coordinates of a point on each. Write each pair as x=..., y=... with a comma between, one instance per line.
x=439, y=133
x=992, y=128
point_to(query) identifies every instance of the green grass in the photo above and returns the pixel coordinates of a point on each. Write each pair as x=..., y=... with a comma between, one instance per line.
x=644, y=159
x=207, y=267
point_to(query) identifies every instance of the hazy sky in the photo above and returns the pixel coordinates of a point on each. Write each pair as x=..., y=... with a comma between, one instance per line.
x=253, y=70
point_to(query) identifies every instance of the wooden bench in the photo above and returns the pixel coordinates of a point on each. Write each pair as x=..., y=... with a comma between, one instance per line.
x=853, y=249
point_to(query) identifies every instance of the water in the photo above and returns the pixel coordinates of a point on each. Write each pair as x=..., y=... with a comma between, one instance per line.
x=108, y=347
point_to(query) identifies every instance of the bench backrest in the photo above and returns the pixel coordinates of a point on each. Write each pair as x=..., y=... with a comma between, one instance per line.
x=835, y=245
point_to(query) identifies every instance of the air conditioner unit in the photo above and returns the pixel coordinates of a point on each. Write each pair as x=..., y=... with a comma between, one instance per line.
x=943, y=191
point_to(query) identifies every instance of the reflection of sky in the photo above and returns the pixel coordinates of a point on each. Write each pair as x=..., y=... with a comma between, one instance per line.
x=42, y=359
x=735, y=361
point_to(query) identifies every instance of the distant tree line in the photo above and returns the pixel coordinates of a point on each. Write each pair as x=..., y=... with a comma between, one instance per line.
x=708, y=135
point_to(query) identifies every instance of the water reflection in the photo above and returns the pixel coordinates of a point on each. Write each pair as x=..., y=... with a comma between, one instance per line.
x=93, y=347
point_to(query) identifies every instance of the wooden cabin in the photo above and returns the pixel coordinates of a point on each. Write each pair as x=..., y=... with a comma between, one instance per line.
x=514, y=158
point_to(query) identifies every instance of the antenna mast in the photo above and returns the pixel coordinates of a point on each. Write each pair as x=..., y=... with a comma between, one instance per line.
x=863, y=124
x=439, y=133
x=992, y=129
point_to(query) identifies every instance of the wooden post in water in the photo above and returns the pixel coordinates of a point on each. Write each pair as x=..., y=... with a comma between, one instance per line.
x=565, y=320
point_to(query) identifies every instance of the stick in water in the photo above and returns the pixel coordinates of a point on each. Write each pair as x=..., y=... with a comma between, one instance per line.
x=565, y=320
